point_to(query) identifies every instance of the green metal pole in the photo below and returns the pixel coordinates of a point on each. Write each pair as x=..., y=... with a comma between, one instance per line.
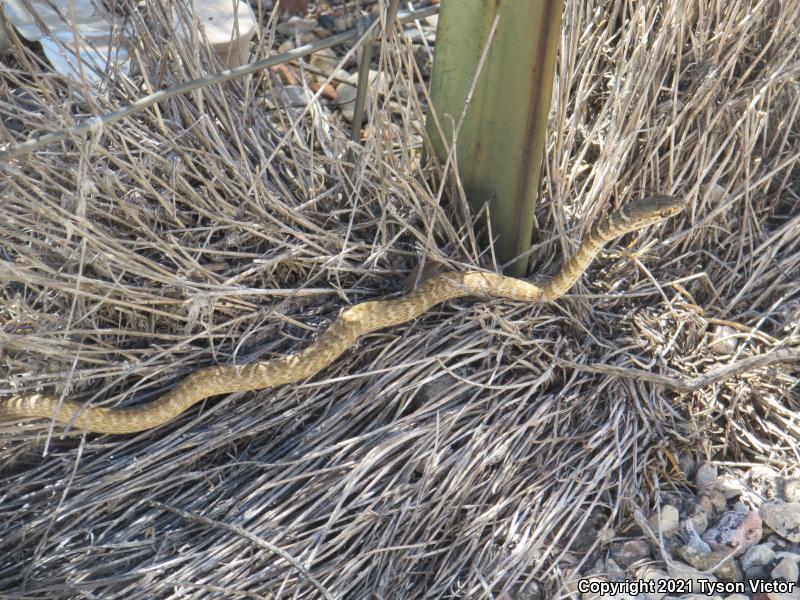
x=500, y=142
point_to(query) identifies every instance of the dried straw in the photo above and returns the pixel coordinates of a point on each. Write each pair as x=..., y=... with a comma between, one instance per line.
x=482, y=452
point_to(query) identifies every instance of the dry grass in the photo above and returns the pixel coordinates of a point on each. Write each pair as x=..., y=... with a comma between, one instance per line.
x=473, y=454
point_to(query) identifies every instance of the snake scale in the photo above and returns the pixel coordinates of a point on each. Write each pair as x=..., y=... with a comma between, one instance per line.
x=352, y=323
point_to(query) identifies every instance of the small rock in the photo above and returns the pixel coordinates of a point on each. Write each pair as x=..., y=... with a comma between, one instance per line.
x=667, y=522
x=337, y=23
x=598, y=569
x=286, y=46
x=297, y=95
x=306, y=38
x=595, y=595
x=346, y=92
x=698, y=517
x=757, y=556
x=778, y=545
x=789, y=488
x=650, y=573
x=718, y=562
x=612, y=570
x=598, y=596
x=631, y=551
x=723, y=340
x=735, y=531
x=296, y=25
x=713, y=501
x=790, y=555
x=673, y=498
x=378, y=81
x=325, y=60
x=783, y=518
x=291, y=6
x=793, y=595
x=729, y=485
x=694, y=547
x=760, y=473
x=679, y=570
x=591, y=530
x=415, y=36
x=706, y=473
x=346, y=101
x=787, y=570
x=756, y=572
x=763, y=480
x=687, y=463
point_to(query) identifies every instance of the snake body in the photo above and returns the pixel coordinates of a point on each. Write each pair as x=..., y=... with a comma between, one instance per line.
x=352, y=323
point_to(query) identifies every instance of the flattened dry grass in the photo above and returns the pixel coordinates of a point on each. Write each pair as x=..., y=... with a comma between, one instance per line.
x=480, y=452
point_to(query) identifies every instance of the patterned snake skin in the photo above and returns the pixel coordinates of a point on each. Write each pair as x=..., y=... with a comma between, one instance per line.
x=351, y=324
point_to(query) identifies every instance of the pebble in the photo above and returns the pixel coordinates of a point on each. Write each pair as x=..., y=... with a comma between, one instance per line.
x=706, y=473
x=377, y=80
x=718, y=562
x=346, y=101
x=650, y=573
x=667, y=522
x=764, y=481
x=794, y=595
x=729, y=485
x=735, y=531
x=787, y=570
x=757, y=556
x=631, y=551
x=790, y=489
x=612, y=569
x=297, y=95
x=698, y=516
x=598, y=596
x=694, y=547
x=346, y=92
x=672, y=498
x=713, y=501
x=286, y=46
x=593, y=530
x=325, y=60
x=723, y=340
x=679, y=570
x=296, y=25
x=783, y=518
x=757, y=572
x=687, y=463
x=760, y=473
x=415, y=36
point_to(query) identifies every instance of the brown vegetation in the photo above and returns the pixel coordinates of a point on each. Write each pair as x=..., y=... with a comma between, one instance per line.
x=473, y=454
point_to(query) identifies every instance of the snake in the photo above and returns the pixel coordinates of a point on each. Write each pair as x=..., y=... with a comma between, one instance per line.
x=351, y=324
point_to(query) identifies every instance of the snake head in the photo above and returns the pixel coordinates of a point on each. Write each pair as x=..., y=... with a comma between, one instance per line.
x=636, y=215
x=655, y=208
